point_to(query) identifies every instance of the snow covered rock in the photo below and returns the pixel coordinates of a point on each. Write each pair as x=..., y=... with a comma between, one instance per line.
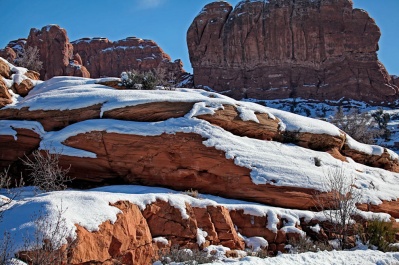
x=186, y=139
x=130, y=223
x=15, y=81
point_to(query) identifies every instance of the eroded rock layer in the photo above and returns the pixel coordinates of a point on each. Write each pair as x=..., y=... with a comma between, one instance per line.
x=274, y=49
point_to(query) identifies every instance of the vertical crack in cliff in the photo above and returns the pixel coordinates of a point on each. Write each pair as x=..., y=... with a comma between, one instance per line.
x=292, y=30
x=107, y=153
x=223, y=36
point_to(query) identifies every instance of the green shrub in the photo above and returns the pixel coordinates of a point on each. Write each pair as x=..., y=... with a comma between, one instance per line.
x=134, y=80
x=149, y=81
x=381, y=234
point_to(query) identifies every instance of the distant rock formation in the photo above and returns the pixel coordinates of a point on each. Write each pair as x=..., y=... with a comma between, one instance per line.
x=55, y=52
x=94, y=57
x=103, y=57
x=319, y=49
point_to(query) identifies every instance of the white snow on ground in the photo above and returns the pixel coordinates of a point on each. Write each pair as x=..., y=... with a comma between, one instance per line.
x=255, y=243
x=201, y=235
x=357, y=257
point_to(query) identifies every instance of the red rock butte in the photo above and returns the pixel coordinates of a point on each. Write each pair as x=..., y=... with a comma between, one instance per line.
x=319, y=49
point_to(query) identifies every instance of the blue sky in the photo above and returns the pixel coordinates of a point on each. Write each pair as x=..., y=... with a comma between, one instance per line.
x=164, y=21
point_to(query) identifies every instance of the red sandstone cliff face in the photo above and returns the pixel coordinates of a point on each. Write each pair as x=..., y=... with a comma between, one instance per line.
x=280, y=49
x=55, y=52
x=103, y=57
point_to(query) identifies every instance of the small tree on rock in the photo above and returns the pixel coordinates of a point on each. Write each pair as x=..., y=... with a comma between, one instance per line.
x=29, y=58
x=46, y=174
x=341, y=205
x=360, y=126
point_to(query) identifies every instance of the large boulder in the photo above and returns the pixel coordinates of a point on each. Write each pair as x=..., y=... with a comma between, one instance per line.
x=5, y=97
x=128, y=239
x=4, y=69
x=281, y=48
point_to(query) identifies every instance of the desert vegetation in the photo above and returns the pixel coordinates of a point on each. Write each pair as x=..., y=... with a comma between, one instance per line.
x=360, y=126
x=29, y=58
x=149, y=80
x=45, y=172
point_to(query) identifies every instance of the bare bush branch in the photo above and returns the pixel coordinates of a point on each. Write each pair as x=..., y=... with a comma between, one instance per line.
x=46, y=174
x=341, y=205
x=360, y=126
x=6, y=249
x=30, y=59
x=50, y=243
x=5, y=185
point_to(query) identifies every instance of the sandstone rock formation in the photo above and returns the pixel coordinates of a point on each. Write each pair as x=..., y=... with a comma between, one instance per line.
x=281, y=48
x=10, y=51
x=103, y=57
x=55, y=52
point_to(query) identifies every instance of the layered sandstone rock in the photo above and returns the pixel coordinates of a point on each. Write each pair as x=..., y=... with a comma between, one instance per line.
x=103, y=57
x=14, y=148
x=169, y=159
x=280, y=48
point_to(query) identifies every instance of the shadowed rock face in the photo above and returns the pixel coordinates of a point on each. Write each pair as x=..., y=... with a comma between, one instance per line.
x=320, y=49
